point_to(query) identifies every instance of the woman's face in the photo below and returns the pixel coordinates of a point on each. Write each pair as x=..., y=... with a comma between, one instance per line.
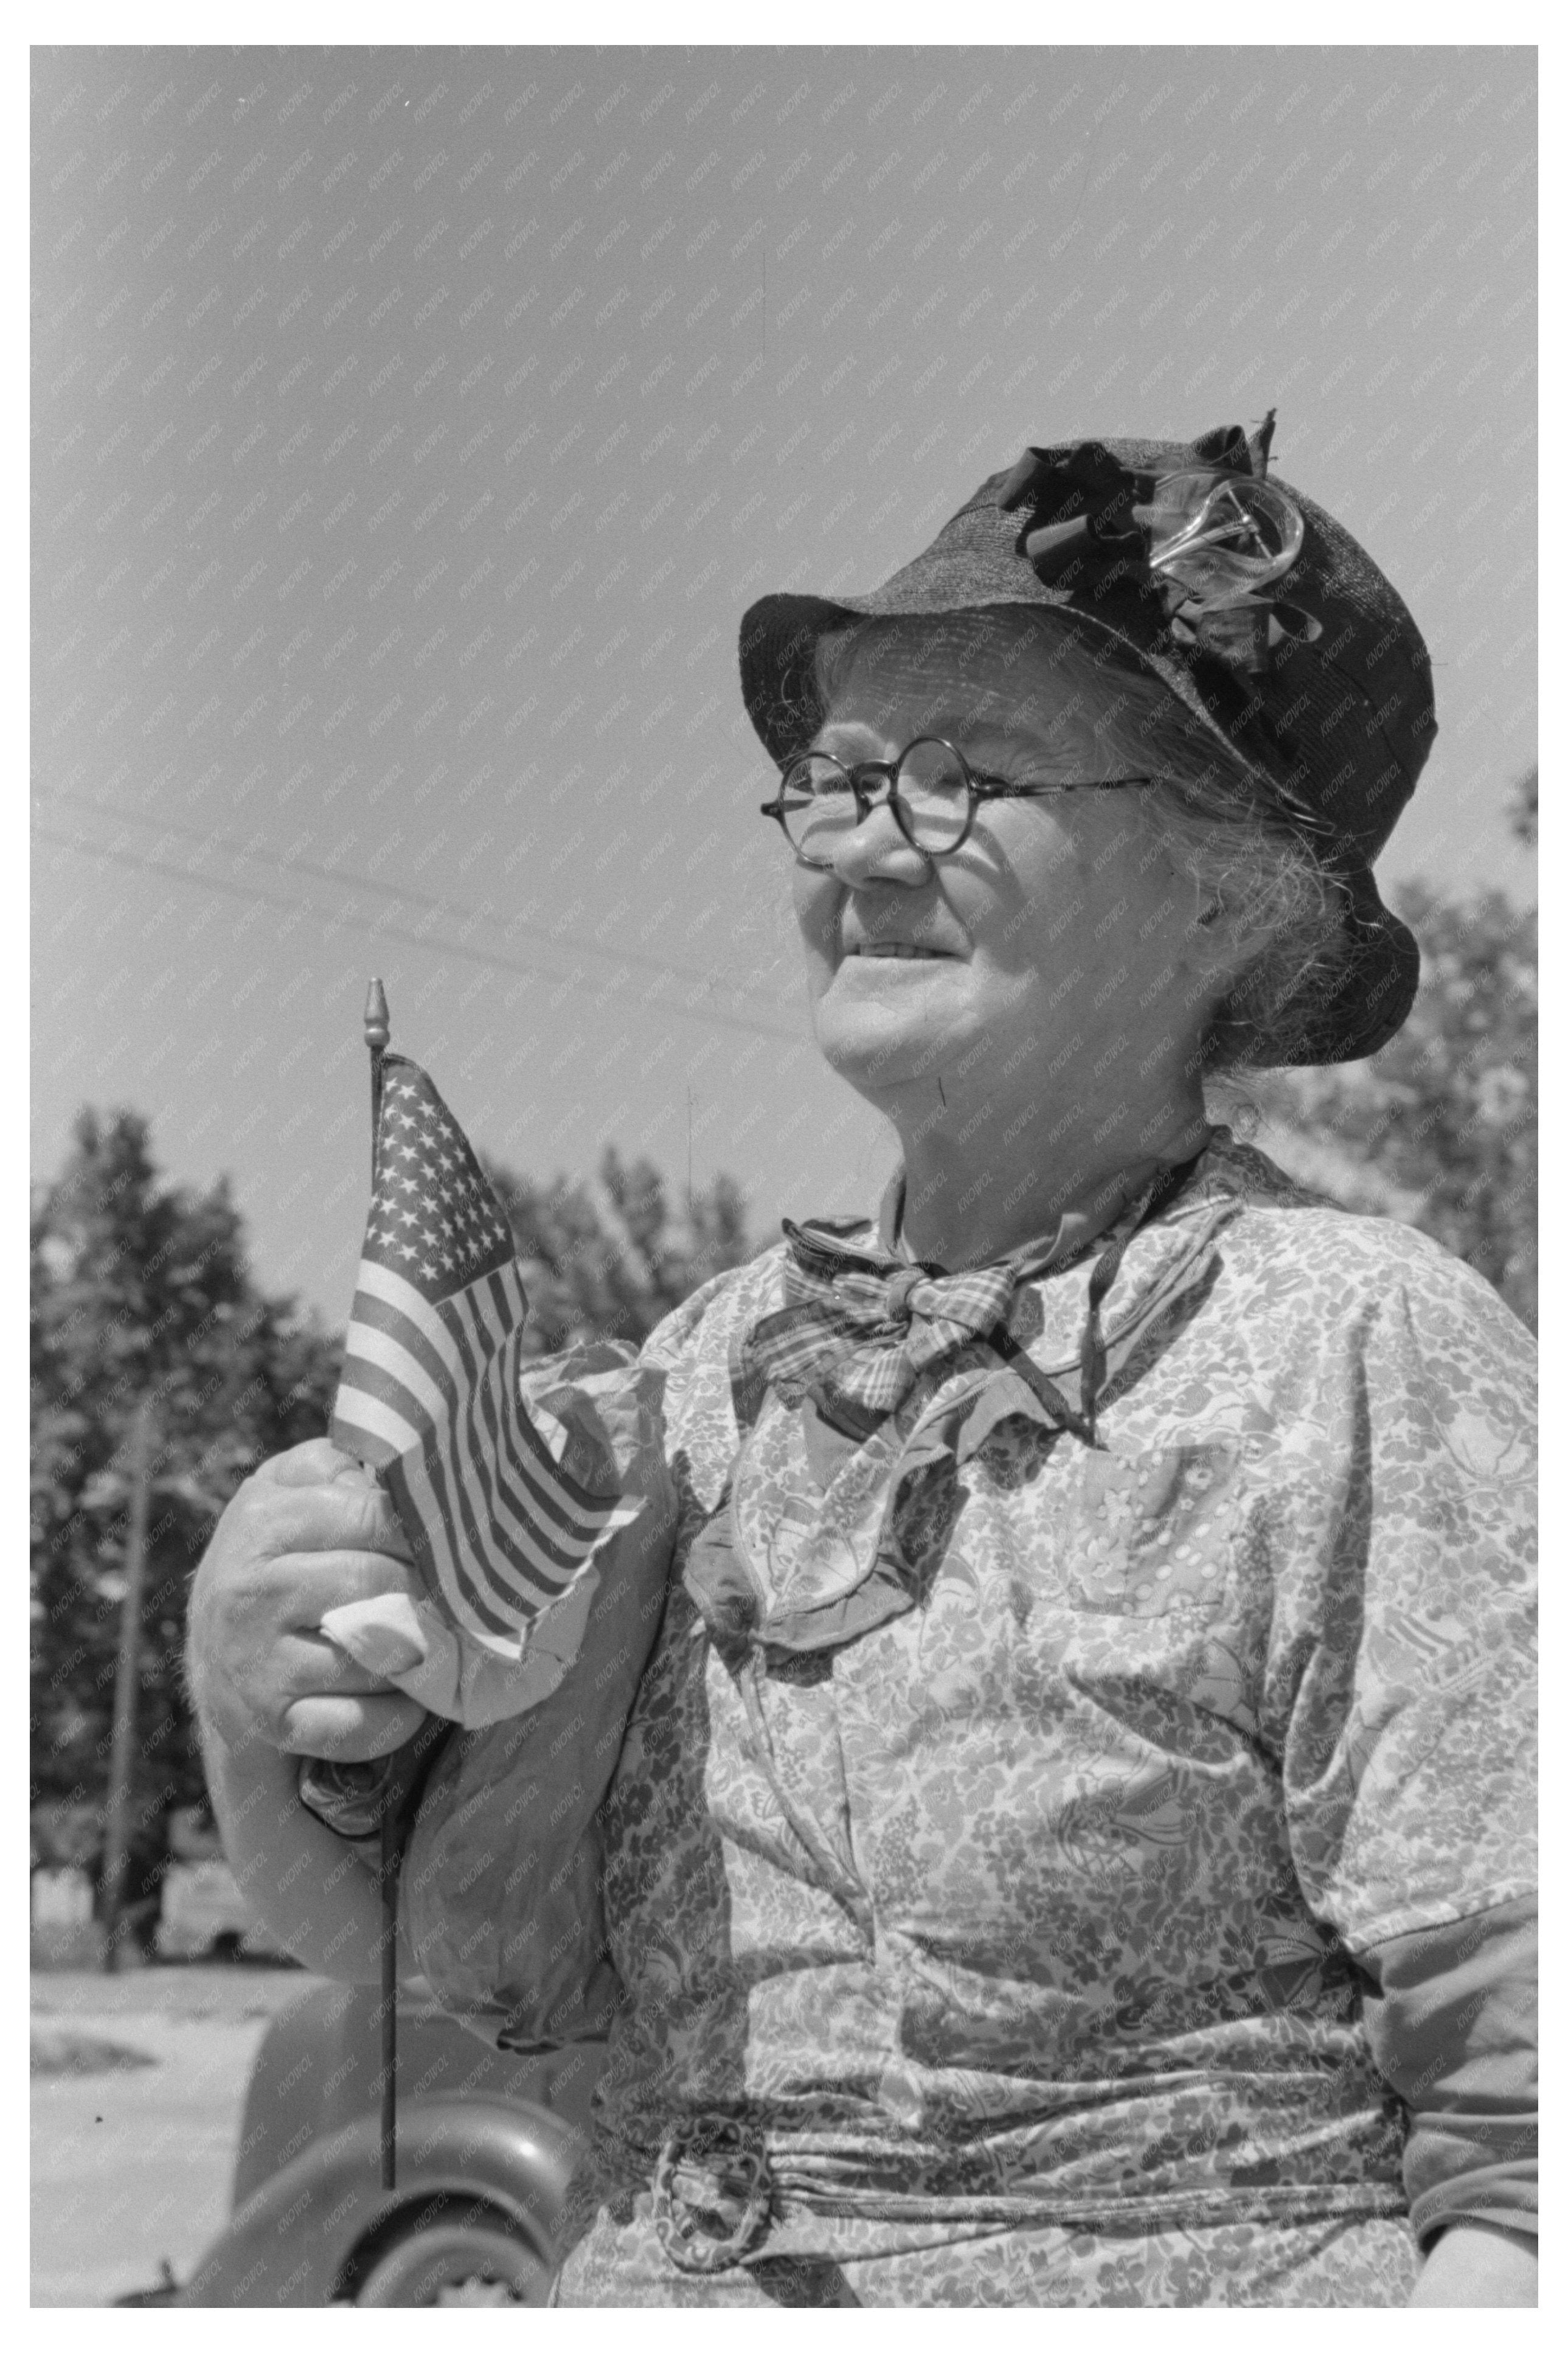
x=1055, y=947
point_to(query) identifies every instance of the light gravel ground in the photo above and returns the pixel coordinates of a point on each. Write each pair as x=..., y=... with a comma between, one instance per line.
x=132, y=2164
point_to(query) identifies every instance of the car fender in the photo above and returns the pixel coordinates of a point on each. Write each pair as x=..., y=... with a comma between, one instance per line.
x=288, y=2244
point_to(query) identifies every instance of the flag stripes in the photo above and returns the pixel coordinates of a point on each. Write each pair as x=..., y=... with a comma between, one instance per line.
x=448, y=1360
x=429, y=1393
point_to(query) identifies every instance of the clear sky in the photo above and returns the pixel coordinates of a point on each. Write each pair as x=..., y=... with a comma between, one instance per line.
x=411, y=428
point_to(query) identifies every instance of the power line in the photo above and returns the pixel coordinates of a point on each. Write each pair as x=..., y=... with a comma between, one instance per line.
x=310, y=868
x=427, y=940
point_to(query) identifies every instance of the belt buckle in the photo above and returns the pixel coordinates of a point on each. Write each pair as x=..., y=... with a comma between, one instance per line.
x=711, y=2170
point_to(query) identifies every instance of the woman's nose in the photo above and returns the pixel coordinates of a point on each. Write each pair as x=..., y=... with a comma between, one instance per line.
x=878, y=851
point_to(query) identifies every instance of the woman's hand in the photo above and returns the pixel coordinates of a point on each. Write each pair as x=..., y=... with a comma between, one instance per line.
x=310, y=1529
x=1474, y=2263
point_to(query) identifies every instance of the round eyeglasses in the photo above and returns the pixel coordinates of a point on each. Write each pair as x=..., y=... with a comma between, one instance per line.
x=931, y=789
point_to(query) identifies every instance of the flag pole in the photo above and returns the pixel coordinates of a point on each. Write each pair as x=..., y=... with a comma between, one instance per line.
x=377, y=1037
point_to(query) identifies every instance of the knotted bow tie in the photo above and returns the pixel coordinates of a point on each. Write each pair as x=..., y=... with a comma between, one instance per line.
x=858, y=1328
x=856, y=1332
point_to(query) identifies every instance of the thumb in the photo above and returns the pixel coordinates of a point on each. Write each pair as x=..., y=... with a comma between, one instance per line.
x=403, y=1641
x=319, y=1462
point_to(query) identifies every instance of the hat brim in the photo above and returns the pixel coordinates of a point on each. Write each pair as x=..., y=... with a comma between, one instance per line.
x=1375, y=986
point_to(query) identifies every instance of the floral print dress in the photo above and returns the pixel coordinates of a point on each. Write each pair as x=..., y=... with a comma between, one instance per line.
x=998, y=1902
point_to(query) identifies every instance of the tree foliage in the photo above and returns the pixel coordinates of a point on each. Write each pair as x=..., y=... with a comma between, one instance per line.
x=612, y=1268
x=1524, y=812
x=140, y=1289
x=1440, y=1127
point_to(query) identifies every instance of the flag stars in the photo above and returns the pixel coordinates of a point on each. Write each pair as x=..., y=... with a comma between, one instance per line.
x=434, y=1213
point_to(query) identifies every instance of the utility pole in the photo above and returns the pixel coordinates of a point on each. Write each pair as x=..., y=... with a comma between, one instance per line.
x=127, y=1673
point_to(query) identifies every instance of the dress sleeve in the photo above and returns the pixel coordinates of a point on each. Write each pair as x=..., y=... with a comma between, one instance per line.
x=1401, y=1701
x=1450, y=2014
x=1400, y=1688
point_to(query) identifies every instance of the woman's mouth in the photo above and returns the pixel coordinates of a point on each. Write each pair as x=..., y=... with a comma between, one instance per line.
x=894, y=948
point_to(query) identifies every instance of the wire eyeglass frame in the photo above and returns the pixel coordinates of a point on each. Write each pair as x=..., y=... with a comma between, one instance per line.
x=980, y=784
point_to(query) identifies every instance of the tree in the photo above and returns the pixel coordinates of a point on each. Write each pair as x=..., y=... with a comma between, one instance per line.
x=1440, y=1127
x=1524, y=810
x=616, y=1269
x=141, y=1288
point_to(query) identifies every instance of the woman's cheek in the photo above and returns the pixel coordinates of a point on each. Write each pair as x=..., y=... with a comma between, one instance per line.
x=817, y=917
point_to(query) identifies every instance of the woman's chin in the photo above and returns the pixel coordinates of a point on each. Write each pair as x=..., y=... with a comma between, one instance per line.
x=879, y=1048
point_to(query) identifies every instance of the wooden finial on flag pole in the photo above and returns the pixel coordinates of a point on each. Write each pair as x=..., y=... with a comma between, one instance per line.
x=377, y=1020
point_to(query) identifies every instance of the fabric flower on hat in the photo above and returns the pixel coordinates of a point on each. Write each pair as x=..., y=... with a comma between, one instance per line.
x=1210, y=541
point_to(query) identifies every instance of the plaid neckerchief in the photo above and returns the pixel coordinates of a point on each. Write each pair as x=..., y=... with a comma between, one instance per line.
x=857, y=1331
x=859, y=1326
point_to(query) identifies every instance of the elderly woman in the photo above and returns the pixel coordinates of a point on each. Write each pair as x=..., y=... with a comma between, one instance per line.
x=1069, y=1843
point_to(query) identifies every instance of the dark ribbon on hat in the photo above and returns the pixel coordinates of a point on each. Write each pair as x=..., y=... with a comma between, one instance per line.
x=1080, y=499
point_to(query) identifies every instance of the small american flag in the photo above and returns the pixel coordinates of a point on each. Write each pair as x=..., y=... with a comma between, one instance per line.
x=429, y=1395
